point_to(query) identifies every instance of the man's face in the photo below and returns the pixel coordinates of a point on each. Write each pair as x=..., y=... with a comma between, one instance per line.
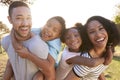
x=21, y=20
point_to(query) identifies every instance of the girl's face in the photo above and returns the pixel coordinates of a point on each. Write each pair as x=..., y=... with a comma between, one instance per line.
x=97, y=34
x=51, y=30
x=73, y=40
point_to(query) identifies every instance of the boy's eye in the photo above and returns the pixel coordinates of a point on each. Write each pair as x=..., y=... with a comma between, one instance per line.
x=29, y=18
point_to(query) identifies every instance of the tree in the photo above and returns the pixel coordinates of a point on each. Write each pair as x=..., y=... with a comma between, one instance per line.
x=8, y=2
x=3, y=28
x=117, y=16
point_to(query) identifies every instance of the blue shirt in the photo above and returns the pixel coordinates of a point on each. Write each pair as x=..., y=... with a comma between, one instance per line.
x=53, y=45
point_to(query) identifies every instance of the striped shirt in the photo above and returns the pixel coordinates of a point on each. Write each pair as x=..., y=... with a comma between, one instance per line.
x=88, y=73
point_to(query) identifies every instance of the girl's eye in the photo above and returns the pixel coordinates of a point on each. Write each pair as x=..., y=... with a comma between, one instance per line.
x=90, y=32
x=77, y=35
x=101, y=28
x=67, y=37
x=48, y=25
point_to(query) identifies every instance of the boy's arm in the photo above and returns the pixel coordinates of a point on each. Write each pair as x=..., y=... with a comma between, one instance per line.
x=90, y=62
x=101, y=77
x=8, y=74
x=46, y=65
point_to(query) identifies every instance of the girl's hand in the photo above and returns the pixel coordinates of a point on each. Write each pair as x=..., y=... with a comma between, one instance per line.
x=109, y=55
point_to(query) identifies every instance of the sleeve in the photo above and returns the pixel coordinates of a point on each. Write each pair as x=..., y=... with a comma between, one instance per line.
x=39, y=48
x=54, y=48
x=5, y=42
x=36, y=30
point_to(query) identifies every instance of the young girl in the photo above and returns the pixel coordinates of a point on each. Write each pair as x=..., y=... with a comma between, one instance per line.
x=98, y=34
x=73, y=39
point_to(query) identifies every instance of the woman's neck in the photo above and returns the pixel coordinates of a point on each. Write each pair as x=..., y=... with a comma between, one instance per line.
x=97, y=52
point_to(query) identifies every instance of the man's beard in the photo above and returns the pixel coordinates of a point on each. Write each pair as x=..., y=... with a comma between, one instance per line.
x=20, y=37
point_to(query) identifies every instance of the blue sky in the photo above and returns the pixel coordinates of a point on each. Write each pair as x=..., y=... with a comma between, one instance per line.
x=71, y=10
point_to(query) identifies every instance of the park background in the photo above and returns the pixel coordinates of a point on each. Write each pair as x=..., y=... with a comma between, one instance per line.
x=72, y=11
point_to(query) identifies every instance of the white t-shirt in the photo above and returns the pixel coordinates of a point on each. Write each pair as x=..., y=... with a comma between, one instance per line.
x=24, y=69
x=64, y=68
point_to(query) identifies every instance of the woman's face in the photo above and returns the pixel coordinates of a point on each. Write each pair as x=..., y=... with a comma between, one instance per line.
x=73, y=39
x=51, y=30
x=97, y=34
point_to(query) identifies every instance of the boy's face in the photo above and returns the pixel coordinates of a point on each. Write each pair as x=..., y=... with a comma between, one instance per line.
x=21, y=20
x=73, y=40
x=51, y=30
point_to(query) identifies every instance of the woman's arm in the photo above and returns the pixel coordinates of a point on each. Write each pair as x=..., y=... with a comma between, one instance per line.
x=108, y=55
x=102, y=77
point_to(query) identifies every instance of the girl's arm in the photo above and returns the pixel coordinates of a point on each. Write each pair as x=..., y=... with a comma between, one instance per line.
x=90, y=62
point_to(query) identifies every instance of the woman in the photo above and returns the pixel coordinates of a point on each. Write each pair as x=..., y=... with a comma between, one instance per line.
x=99, y=33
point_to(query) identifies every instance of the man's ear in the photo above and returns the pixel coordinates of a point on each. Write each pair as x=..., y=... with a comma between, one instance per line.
x=9, y=19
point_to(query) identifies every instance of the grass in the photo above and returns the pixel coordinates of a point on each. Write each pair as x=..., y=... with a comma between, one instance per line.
x=113, y=71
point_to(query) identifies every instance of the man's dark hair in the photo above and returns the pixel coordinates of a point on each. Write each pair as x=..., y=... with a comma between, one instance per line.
x=16, y=4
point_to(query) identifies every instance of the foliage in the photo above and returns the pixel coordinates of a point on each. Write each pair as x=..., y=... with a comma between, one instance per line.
x=3, y=28
x=117, y=19
x=8, y=2
x=117, y=16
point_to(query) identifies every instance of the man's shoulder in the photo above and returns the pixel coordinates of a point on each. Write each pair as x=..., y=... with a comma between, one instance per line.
x=6, y=38
x=36, y=30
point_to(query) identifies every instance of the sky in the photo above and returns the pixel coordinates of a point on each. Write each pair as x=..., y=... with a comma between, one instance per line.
x=71, y=10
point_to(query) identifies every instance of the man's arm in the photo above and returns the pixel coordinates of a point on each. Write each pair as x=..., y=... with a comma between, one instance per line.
x=8, y=74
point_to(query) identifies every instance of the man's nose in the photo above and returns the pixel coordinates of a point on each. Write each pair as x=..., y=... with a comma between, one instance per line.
x=25, y=22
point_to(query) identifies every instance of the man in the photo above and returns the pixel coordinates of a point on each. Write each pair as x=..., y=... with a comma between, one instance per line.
x=26, y=66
